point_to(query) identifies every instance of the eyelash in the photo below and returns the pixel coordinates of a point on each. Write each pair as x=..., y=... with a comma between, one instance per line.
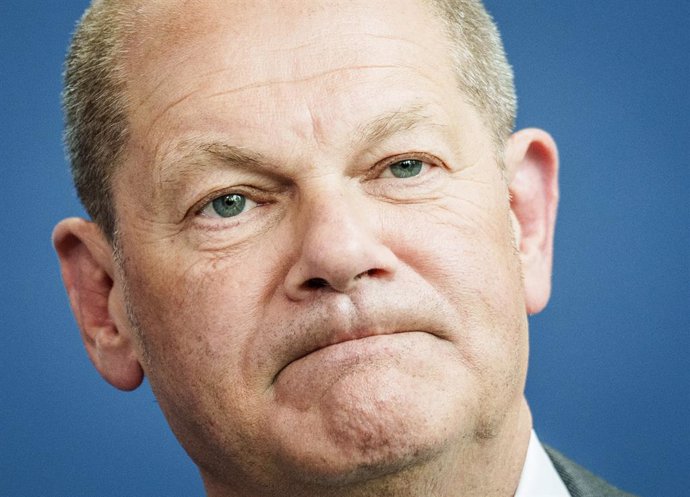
x=429, y=160
x=247, y=192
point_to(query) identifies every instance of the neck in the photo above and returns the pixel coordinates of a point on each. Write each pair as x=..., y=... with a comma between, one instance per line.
x=487, y=467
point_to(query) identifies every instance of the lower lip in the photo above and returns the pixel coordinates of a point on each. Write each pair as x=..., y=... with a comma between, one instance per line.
x=341, y=356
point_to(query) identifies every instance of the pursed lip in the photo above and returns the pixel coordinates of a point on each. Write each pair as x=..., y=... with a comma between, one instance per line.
x=336, y=338
x=329, y=323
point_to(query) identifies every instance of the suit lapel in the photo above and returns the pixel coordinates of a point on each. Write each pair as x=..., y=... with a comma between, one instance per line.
x=579, y=481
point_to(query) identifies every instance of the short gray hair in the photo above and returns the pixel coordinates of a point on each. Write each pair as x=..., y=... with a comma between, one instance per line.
x=95, y=101
x=482, y=68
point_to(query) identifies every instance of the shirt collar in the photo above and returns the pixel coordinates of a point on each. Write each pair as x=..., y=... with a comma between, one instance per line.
x=539, y=477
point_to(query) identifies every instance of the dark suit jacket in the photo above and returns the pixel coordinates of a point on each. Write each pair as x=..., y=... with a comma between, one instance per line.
x=579, y=481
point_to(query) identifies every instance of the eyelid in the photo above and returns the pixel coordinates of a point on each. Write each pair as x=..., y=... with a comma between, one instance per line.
x=208, y=206
x=427, y=159
x=200, y=205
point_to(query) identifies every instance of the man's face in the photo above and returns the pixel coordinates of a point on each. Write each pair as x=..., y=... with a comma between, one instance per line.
x=316, y=240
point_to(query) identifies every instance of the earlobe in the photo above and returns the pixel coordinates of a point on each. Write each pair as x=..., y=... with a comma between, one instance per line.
x=531, y=161
x=87, y=265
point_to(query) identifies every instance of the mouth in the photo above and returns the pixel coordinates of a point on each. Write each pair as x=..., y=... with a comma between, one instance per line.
x=347, y=331
x=352, y=344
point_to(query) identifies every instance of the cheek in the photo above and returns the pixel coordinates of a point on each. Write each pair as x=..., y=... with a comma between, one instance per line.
x=194, y=317
x=464, y=249
x=463, y=245
x=197, y=321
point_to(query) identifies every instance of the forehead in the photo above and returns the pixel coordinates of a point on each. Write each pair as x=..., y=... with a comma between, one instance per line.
x=264, y=41
x=164, y=24
x=301, y=64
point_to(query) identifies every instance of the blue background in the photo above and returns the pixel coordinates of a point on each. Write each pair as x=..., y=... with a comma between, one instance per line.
x=609, y=380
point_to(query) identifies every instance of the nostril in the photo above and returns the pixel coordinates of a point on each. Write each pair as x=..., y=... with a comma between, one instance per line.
x=316, y=283
x=371, y=272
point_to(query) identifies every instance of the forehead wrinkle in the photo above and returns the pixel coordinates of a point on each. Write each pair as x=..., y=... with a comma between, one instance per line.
x=257, y=85
x=306, y=79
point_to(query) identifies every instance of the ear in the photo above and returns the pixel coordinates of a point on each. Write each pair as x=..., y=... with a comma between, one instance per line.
x=87, y=265
x=531, y=161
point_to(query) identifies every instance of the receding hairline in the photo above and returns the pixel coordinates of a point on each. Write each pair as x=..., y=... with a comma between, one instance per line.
x=138, y=18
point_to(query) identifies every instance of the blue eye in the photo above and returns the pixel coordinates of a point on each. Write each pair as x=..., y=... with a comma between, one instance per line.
x=406, y=168
x=230, y=205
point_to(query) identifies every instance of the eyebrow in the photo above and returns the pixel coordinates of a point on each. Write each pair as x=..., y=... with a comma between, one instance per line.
x=390, y=123
x=190, y=155
x=231, y=155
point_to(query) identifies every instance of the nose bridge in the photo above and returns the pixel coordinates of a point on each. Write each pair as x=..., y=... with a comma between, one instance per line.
x=335, y=213
x=337, y=229
x=339, y=240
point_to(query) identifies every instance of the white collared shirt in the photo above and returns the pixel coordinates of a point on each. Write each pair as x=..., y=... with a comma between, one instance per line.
x=539, y=477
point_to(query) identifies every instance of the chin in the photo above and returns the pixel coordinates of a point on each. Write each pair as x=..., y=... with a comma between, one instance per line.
x=346, y=468
x=373, y=425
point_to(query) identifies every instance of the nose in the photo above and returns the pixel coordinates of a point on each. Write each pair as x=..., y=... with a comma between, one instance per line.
x=339, y=247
